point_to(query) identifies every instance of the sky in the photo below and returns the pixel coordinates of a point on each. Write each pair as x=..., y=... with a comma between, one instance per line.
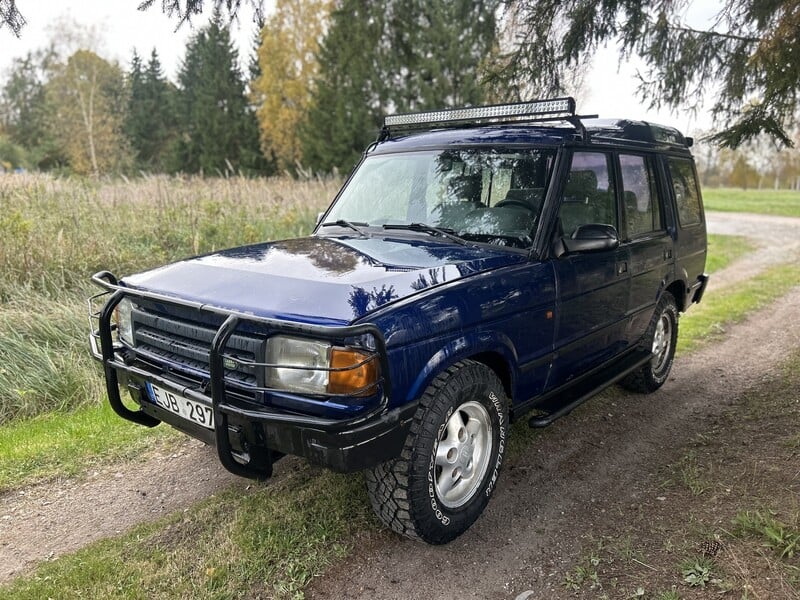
x=119, y=28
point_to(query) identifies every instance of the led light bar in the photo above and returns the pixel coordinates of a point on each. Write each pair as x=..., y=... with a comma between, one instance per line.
x=537, y=109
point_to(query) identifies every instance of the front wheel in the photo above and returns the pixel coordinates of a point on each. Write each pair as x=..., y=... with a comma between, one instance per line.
x=449, y=465
x=660, y=339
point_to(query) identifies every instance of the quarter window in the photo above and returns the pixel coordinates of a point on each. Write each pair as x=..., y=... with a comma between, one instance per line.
x=687, y=196
x=639, y=195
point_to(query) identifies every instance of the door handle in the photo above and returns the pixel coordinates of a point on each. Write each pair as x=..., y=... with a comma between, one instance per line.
x=622, y=268
x=667, y=253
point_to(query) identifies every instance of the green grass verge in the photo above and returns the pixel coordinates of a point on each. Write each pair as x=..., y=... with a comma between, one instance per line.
x=768, y=202
x=67, y=444
x=266, y=544
x=724, y=249
x=709, y=319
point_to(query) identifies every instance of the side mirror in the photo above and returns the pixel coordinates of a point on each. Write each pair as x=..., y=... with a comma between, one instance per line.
x=592, y=237
x=319, y=217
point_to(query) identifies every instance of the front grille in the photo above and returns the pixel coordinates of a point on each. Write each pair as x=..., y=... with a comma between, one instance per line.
x=185, y=345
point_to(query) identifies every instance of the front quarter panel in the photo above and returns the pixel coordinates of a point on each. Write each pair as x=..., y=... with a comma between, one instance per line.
x=507, y=312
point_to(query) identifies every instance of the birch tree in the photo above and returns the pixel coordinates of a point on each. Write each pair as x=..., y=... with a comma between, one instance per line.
x=87, y=98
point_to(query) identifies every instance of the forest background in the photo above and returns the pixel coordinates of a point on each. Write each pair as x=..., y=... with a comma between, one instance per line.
x=319, y=78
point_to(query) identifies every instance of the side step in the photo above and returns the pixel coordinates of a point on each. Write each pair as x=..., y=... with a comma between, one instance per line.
x=592, y=385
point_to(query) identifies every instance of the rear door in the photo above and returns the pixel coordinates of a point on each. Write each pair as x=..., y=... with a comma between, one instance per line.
x=645, y=235
x=690, y=243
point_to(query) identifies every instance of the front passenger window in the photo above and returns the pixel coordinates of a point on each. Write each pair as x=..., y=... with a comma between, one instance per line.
x=589, y=193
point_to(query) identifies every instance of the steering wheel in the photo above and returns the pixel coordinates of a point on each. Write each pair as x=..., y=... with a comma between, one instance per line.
x=517, y=203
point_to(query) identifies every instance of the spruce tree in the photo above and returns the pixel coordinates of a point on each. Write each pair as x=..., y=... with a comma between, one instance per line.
x=441, y=47
x=349, y=95
x=151, y=113
x=216, y=126
x=392, y=56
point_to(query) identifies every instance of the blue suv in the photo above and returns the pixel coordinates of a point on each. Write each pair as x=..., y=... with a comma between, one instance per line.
x=479, y=265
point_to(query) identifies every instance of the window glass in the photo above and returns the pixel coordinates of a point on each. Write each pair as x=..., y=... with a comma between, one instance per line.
x=589, y=193
x=486, y=195
x=687, y=196
x=639, y=195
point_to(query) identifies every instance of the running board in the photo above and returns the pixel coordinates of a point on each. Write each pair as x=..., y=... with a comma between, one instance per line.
x=591, y=387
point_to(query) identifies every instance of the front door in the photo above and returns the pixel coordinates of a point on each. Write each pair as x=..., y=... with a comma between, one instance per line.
x=593, y=286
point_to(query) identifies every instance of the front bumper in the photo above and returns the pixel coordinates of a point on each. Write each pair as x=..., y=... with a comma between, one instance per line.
x=250, y=437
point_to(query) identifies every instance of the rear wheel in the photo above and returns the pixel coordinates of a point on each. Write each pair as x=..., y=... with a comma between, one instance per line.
x=449, y=466
x=660, y=340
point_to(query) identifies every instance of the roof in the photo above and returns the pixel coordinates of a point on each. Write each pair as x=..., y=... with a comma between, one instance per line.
x=618, y=132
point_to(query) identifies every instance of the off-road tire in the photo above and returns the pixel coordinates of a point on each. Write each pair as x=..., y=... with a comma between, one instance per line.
x=467, y=399
x=663, y=329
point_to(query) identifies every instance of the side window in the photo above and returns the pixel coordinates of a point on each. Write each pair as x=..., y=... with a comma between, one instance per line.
x=687, y=195
x=589, y=193
x=639, y=195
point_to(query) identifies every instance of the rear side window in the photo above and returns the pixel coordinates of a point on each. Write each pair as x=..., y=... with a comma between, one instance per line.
x=687, y=194
x=640, y=199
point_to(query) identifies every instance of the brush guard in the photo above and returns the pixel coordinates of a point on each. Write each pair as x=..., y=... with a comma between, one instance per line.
x=241, y=458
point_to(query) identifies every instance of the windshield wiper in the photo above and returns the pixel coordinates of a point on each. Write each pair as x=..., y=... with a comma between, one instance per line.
x=354, y=225
x=430, y=229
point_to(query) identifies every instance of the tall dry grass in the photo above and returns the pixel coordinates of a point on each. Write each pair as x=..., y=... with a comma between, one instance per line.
x=54, y=233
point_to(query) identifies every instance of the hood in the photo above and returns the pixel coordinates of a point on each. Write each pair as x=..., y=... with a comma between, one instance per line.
x=320, y=280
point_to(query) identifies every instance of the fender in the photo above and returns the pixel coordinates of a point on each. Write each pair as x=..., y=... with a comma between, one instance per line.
x=464, y=347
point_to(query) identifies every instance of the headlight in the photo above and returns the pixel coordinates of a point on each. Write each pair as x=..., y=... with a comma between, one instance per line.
x=297, y=352
x=125, y=321
x=319, y=367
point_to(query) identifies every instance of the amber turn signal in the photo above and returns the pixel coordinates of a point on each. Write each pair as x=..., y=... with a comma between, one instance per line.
x=359, y=375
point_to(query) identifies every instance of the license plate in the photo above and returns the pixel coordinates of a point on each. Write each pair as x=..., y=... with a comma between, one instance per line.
x=183, y=407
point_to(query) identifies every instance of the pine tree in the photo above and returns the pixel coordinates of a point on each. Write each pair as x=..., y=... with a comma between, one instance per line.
x=213, y=114
x=251, y=147
x=441, y=47
x=348, y=97
x=150, y=125
x=746, y=59
x=392, y=56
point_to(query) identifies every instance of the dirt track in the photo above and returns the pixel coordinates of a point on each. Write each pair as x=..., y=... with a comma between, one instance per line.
x=549, y=496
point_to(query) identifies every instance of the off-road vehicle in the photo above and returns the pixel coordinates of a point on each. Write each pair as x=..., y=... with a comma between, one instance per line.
x=478, y=265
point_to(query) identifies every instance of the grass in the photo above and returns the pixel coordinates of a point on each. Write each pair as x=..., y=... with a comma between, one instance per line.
x=783, y=539
x=63, y=444
x=724, y=249
x=270, y=541
x=769, y=202
x=709, y=319
x=54, y=233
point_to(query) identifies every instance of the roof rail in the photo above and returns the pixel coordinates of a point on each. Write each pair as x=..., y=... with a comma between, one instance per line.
x=552, y=109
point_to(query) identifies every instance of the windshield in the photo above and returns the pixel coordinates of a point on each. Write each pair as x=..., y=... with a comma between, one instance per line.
x=484, y=195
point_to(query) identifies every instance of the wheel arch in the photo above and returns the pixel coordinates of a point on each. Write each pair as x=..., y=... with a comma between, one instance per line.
x=501, y=367
x=492, y=349
x=678, y=290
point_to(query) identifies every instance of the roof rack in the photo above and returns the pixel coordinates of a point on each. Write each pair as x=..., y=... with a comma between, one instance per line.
x=535, y=111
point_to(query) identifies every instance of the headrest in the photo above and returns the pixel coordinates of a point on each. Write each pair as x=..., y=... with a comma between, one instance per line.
x=465, y=187
x=580, y=185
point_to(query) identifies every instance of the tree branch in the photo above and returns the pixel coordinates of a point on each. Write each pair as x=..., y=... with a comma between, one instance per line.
x=727, y=36
x=10, y=15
